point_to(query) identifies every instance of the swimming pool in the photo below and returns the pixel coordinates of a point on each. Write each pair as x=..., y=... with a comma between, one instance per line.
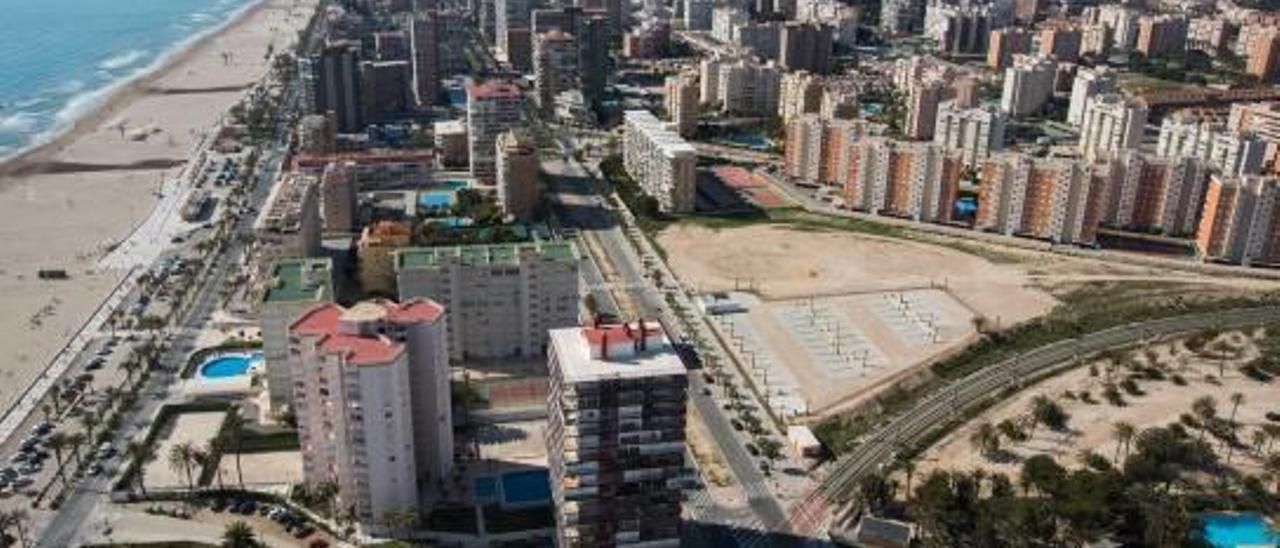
x=1233, y=530
x=227, y=366
x=436, y=199
x=749, y=140
x=486, y=488
x=525, y=487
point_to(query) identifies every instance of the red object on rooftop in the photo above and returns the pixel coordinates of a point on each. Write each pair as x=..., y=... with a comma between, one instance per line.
x=493, y=89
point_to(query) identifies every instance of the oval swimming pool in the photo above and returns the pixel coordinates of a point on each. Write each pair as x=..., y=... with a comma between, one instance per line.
x=229, y=366
x=1234, y=530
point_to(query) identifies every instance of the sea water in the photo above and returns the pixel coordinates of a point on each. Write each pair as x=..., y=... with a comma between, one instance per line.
x=60, y=58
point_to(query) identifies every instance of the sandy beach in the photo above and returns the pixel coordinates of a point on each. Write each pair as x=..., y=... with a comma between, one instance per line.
x=63, y=204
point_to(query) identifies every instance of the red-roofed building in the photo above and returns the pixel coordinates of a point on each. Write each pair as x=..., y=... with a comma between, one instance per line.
x=371, y=393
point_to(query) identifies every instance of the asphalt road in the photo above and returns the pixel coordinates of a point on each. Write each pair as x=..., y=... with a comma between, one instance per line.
x=939, y=408
x=593, y=219
x=71, y=519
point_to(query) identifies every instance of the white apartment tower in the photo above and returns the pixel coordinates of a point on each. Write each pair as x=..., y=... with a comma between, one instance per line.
x=1112, y=123
x=659, y=160
x=1089, y=83
x=371, y=393
x=976, y=132
x=502, y=298
x=1028, y=85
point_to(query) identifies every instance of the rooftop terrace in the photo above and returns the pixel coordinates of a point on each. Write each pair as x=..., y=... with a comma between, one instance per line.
x=297, y=280
x=478, y=255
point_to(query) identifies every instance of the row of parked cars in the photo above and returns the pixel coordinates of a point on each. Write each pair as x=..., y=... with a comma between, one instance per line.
x=293, y=523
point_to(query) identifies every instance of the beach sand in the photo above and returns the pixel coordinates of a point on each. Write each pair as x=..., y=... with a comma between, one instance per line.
x=63, y=204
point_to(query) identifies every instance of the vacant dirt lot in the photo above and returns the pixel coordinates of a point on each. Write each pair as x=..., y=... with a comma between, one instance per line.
x=781, y=263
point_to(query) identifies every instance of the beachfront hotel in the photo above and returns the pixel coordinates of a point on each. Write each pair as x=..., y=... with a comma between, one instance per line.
x=295, y=286
x=502, y=298
x=616, y=435
x=371, y=393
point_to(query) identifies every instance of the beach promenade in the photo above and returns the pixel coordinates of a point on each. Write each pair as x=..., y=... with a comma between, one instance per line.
x=69, y=203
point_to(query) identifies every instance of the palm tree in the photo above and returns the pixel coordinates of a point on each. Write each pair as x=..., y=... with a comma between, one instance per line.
x=213, y=457
x=233, y=430
x=238, y=534
x=75, y=441
x=1123, y=433
x=17, y=520
x=909, y=469
x=1259, y=440
x=1273, y=434
x=180, y=462
x=89, y=421
x=55, y=397
x=57, y=442
x=142, y=454
x=327, y=491
x=986, y=439
x=1236, y=399
x=1205, y=409
x=1272, y=467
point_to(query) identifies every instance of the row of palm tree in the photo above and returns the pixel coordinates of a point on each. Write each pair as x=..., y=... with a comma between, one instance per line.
x=17, y=521
x=187, y=458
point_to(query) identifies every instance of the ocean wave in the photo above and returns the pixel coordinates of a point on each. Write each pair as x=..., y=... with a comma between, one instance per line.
x=69, y=87
x=123, y=60
x=19, y=122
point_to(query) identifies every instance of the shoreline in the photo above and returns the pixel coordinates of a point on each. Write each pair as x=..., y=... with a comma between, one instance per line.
x=117, y=96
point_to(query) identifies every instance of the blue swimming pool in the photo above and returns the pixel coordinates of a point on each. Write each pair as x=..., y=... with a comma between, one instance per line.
x=750, y=140
x=486, y=488
x=525, y=487
x=436, y=199
x=1233, y=530
x=229, y=366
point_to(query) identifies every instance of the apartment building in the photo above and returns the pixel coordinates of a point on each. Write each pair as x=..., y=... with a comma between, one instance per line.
x=378, y=241
x=958, y=29
x=1184, y=134
x=1112, y=123
x=339, y=198
x=1004, y=43
x=915, y=181
x=803, y=148
x=1050, y=199
x=502, y=298
x=555, y=67
x=294, y=286
x=1264, y=57
x=682, y=102
x=1240, y=222
x=800, y=93
x=616, y=435
x=1089, y=83
x=806, y=46
x=975, y=132
x=659, y=160
x=493, y=107
x=517, y=171
x=1028, y=86
x=922, y=109
x=1161, y=34
x=748, y=88
x=1163, y=195
x=1061, y=40
x=289, y=225
x=371, y=394
x=901, y=17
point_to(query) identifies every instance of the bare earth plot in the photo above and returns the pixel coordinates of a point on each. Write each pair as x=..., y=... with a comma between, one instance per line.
x=781, y=263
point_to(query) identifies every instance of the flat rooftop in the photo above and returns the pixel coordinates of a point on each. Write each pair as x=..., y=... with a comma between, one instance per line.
x=580, y=361
x=479, y=255
x=299, y=280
